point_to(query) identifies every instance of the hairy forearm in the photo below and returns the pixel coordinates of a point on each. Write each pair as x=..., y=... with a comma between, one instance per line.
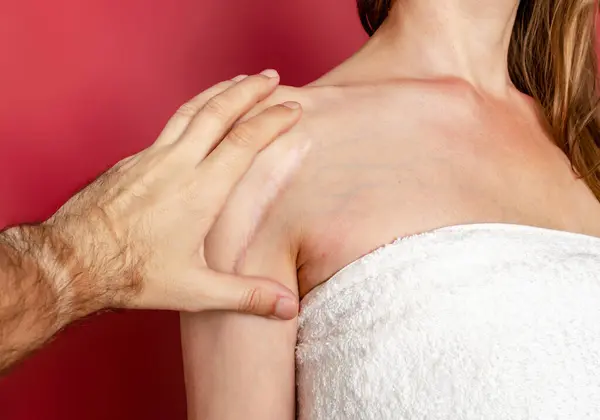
x=29, y=301
x=42, y=289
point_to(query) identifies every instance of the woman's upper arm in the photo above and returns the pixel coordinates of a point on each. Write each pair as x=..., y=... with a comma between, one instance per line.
x=242, y=366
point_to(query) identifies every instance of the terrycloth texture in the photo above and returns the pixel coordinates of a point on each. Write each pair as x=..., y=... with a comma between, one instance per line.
x=483, y=322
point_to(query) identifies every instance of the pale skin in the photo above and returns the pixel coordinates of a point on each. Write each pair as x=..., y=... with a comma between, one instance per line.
x=135, y=238
x=420, y=129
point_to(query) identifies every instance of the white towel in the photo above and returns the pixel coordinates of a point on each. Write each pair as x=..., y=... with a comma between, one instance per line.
x=487, y=321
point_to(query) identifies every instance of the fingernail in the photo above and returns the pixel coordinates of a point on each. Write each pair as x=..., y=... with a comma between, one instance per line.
x=286, y=308
x=239, y=78
x=291, y=105
x=270, y=73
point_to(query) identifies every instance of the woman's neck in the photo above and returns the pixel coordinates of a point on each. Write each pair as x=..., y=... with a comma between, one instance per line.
x=431, y=39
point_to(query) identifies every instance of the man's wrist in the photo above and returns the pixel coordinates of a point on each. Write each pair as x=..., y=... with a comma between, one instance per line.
x=95, y=264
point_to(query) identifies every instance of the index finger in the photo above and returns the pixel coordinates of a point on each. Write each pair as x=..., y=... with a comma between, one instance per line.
x=222, y=111
x=178, y=123
x=232, y=158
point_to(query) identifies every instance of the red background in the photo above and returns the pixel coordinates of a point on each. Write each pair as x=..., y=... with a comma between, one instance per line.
x=85, y=83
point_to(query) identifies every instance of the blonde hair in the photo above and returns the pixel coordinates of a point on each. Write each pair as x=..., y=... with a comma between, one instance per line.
x=552, y=57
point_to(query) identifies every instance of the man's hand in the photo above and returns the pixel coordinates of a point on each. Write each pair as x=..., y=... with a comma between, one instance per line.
x=135, y=237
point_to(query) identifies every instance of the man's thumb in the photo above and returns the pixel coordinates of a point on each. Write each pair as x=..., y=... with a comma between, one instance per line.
x=250, y=295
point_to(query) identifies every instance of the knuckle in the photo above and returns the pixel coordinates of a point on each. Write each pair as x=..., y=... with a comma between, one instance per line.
x=187, y=110
x=241, y=136
x=217, y=107
x=250, y=301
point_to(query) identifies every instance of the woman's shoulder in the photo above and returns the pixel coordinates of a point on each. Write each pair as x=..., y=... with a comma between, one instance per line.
x=263, y=206
x=254, y=219
x=405, y=99
x=342, y=125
